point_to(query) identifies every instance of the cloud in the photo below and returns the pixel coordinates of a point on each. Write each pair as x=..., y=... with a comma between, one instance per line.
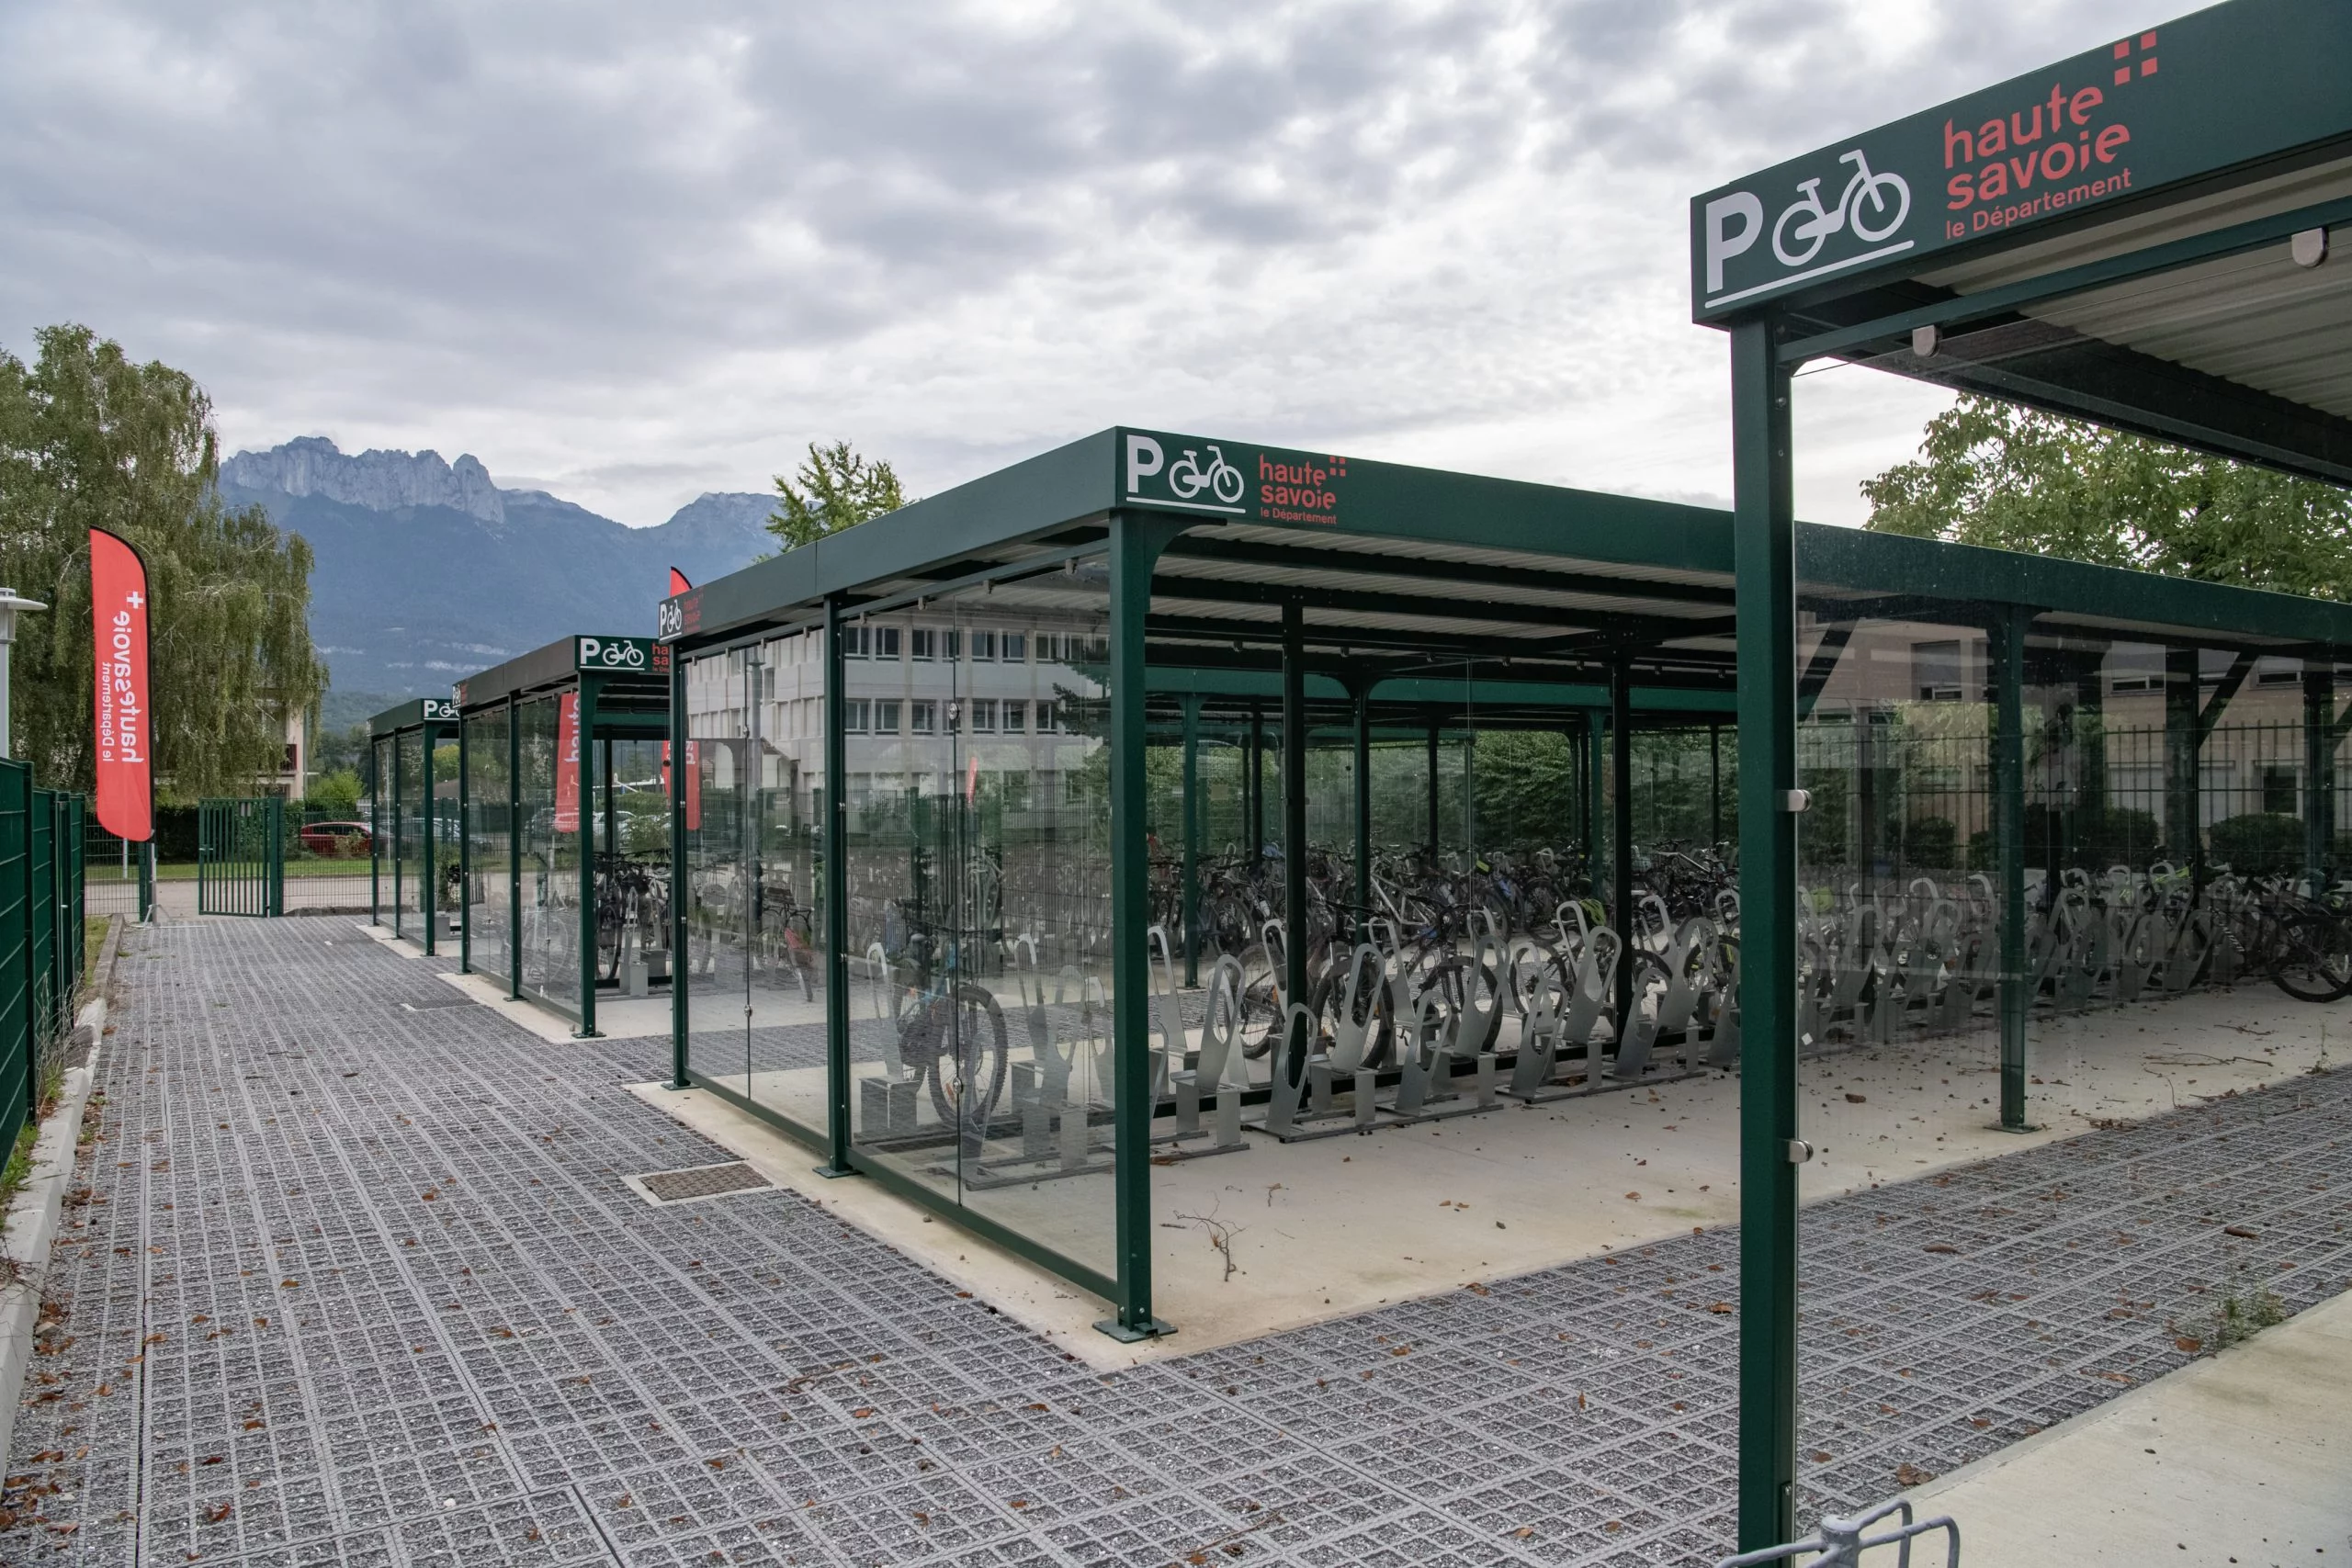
x=646, y=251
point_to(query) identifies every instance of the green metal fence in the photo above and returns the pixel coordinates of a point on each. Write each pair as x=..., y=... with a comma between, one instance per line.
x=41, y=955
x=241, y=856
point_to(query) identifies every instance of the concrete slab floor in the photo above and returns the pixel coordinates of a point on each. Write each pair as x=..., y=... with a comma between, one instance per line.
x=1328, y=1228
x=2239, y=1458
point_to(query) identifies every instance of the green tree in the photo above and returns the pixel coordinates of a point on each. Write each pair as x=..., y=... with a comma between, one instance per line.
x=1993, y=473
x=89, y=439
x=834, y=489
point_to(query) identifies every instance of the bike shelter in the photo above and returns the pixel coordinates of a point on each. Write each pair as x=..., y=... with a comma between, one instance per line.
x=565, y=854
x=1098, y=724
x=2145, y=236
x=412, y=833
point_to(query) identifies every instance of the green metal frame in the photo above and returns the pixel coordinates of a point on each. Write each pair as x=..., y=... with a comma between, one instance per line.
x=1006, y=526
x=241, y=856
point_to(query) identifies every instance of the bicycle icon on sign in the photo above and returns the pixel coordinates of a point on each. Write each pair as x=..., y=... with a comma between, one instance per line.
x=1865, y=191
x=1187, y=477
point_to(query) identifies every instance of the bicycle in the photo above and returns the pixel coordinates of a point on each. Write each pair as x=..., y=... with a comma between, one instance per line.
x=1823, y=222
x=1220, y=479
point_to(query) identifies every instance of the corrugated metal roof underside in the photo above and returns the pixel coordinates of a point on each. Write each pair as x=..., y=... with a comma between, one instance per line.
x=2255, y=319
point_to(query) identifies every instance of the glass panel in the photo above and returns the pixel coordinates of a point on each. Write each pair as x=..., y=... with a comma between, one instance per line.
x=409, y=830
x=547, y=730
x=381, y=846
x=756, y=1001
x=630, y=826
x=490, y=859
x=979, y=906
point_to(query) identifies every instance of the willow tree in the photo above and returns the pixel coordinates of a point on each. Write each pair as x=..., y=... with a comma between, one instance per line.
x=89, y=439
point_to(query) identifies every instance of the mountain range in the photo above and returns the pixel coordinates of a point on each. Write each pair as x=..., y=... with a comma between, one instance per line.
x=427, y=571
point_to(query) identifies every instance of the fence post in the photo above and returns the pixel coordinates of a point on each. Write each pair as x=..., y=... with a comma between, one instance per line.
x=2319, y=773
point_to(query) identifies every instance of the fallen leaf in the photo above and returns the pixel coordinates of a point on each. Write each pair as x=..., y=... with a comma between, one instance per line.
x=1908, y=1475
x=2242, y=1231
x=1945, y=1248
x=2189, y=1344
x=1852, y=1099
x=1719, y=1308
x=218, y=1513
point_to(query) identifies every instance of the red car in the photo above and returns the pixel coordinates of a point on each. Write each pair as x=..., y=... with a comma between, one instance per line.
x=337, y=841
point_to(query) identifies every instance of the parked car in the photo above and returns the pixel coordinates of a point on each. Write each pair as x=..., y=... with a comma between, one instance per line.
x=336, y=841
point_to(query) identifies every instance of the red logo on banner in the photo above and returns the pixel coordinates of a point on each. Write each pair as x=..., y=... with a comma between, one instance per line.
x=567, y=762
x=125, y=728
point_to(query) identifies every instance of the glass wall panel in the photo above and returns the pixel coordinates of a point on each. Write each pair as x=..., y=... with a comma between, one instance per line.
x=978, y=843
x=489, y=816
x=380, y=833
x=754, y=876
x=2172, y=825
x=546, y=729
x=628, y=823
x=408, y=833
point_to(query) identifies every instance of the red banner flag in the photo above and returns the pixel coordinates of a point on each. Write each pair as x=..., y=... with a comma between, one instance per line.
x=678, y=584
x=125, y=728
x=567, y=762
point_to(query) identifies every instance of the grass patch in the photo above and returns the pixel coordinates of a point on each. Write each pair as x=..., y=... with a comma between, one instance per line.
x=2245, y=1311
x=184, y=871
x=94, y=941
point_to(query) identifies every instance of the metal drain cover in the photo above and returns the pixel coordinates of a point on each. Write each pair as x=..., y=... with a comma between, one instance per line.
x=702, y=1181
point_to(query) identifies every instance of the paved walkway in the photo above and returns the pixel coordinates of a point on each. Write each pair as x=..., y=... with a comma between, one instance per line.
x=357, y=1281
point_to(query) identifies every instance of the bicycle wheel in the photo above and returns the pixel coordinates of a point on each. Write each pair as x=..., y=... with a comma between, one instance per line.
x=970, y=1062
x=2311, y=959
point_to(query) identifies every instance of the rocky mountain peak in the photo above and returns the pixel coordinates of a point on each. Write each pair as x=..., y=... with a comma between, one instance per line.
x=377, y=479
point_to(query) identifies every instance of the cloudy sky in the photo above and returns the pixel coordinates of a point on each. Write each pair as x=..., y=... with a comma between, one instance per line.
x=632, y=253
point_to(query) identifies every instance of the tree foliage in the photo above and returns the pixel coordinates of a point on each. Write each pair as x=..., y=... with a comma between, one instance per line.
x=89, y=439
x=2017, y=479
x=832, y=489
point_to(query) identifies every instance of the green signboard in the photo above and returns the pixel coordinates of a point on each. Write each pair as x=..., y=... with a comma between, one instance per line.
x=1248, y=484
x=2233, y=85
x=621, y=655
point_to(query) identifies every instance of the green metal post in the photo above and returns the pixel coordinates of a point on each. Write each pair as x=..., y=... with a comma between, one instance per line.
x=585, y=831
x=1433, y=838
x=465, y=852
x=2008, y=807
x=1714, y=781
x=1192, y=813
x=681, y=883
x=1764, y=559
x=1293, y=802
x=428, y=892
x=514, y=849
x=1253, y=786
x=836, y=1069
x=275, y=892
x=375, y=834
x=1621, y=767
x=2182, y=836
x=1136, y=544
x=1595, y=792
x=2319, y=773
x=1363, y=807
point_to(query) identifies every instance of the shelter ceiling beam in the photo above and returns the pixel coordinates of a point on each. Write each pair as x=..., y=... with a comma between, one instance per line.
x=1302, y=558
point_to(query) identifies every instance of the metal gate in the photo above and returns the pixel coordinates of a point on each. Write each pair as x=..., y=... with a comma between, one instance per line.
x=241, y=856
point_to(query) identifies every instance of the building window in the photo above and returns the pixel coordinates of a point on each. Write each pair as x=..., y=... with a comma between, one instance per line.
x=1013, y=648
x=983, y=709
x=1047, y=719
x=885, y=642
x=953, y=644
x=2136, y=683
x=886, y=717
x=923, y=718
x=1016, y=717
x=853, y=642
x=984, y=646
x=1935, y=670
x=923, y=643
x=854, y=715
